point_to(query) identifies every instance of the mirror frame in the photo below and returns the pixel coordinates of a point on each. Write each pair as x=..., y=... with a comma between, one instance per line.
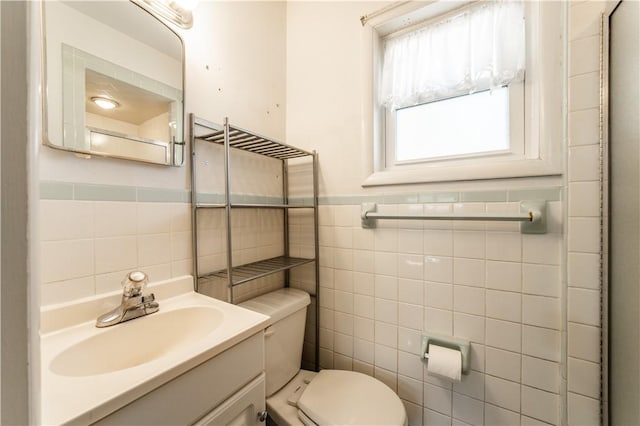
x=177, y=149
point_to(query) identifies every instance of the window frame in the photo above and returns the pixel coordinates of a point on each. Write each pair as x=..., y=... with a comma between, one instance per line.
x=543, y=107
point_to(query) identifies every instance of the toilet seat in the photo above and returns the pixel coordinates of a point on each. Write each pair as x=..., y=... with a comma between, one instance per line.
x=337, y=397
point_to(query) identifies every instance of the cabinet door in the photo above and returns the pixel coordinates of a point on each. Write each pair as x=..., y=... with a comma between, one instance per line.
x=191, y=395
x=244, y=408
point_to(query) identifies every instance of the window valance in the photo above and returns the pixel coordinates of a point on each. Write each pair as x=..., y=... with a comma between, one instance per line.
x=479, y=48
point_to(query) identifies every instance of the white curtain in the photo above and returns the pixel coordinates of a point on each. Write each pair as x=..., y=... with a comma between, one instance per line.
x=480, y=48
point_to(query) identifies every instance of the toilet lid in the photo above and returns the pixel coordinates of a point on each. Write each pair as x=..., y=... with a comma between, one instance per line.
x=337, y=397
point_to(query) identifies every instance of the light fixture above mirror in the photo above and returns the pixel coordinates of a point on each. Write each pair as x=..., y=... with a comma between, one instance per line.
x=177, y=12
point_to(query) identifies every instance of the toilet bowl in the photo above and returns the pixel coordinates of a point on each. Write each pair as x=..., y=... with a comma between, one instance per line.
x=330, y=397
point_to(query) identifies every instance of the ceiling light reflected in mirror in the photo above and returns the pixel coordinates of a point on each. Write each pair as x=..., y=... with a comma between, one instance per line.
x=105, y=103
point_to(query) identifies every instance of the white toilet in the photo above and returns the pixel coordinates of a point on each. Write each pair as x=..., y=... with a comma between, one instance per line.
x=330, y=397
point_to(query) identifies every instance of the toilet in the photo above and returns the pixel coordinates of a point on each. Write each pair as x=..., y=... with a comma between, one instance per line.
x=330, y=397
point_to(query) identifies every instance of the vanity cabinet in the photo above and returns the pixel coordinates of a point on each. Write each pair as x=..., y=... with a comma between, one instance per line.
x=226, y=389
x=246, y=407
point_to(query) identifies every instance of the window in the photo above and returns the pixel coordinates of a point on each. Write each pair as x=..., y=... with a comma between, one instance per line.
x=450, y=100
x=463, y=126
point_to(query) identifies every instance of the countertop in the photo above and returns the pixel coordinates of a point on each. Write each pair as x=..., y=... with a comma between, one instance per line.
x=86, y=399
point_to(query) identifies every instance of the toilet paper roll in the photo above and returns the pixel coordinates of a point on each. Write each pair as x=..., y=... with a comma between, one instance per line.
x=444, y=362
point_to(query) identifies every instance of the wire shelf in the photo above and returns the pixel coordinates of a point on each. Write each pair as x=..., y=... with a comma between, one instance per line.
x=251, y=271
x=248, y=141
x=254, y=206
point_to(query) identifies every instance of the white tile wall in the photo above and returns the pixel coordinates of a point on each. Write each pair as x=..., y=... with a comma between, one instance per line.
x=88, y=246
x=541, y=374
x=540, y=405
x=491, y=285
x=583, y=410
x=499, y=416
x=583, y=263
x=504, y=364
x=257, y=235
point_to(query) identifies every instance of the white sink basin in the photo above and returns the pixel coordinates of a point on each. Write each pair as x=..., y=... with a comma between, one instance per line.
x=137, y=341
x=88, y=372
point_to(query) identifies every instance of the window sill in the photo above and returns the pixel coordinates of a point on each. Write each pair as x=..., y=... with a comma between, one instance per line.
x=498, y=170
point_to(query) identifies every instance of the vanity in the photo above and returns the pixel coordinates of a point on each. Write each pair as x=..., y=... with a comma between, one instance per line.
x=113, y=79
x=196, y=361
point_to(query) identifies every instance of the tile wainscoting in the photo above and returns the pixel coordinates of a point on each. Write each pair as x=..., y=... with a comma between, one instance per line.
x=380, y=288
x=483, y=281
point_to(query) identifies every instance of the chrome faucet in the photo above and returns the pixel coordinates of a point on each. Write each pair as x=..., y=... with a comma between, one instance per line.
x=134, y=303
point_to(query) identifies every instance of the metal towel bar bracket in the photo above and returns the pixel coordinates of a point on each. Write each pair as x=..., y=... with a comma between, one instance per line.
x=532, y=216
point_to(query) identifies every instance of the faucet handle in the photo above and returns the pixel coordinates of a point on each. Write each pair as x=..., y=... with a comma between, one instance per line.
x=134, y=283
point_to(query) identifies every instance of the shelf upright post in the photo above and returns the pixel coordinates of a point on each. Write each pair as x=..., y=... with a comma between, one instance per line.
x=227, y=206
x=194, y=201
x=316, y=235
x=285, y=216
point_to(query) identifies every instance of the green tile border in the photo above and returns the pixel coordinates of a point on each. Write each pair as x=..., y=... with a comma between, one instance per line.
x=439, y=197
x=55, y=190
x=91, y=192
x=483, y=196
x=400, y=198
x=156, y=195
x=301, y=201
x=206, y=198
x=252, y=199
x=549, y=194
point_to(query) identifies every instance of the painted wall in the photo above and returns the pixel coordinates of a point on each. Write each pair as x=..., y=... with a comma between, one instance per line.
x=325, y=87
x=101, y=217
x=382, y=288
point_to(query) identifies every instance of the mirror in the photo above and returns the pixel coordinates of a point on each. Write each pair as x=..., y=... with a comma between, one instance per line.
x=114, y=82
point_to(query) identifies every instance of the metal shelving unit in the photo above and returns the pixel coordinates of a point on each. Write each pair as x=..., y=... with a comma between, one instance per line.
x=236, y=137
x=232, y=137
x=255, y=206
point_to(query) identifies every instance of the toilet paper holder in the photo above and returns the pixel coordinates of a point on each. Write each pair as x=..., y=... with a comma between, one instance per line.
x=448, y=342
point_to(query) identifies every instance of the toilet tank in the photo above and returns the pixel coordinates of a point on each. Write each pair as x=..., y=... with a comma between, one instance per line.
x=284, y=335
